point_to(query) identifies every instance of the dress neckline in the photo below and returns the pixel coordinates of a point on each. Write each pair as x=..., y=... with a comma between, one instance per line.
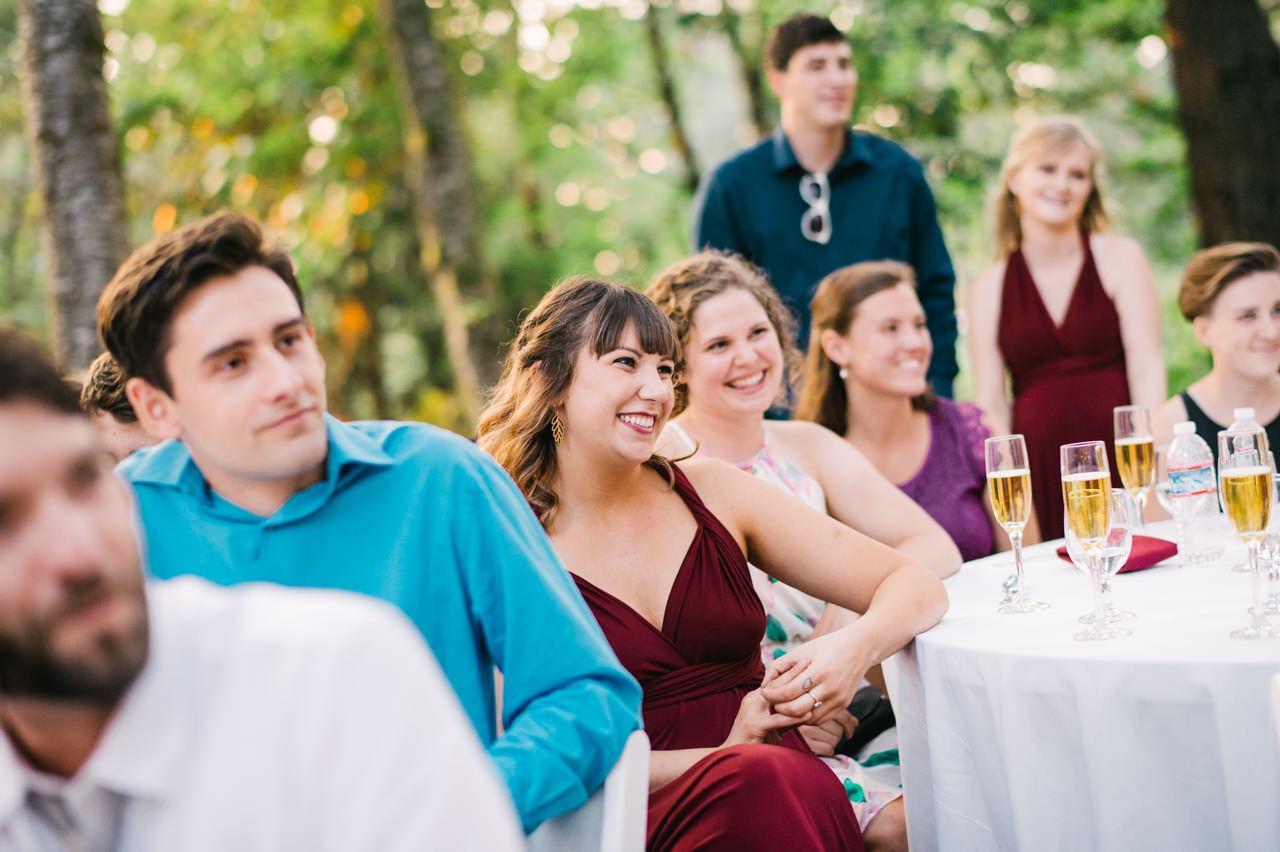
x=1059, y=329
x=681, y=572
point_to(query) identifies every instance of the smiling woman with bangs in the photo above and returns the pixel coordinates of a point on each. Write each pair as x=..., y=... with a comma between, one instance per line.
x=659, y=551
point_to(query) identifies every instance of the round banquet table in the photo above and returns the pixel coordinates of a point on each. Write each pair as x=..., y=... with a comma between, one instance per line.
x=1015, y=736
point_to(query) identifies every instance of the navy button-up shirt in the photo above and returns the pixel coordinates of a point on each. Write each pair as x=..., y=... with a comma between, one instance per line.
x=881, y=209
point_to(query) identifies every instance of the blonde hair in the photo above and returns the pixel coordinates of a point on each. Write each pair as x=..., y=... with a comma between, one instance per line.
x=823, y=397
x=516, y=426
x=681, y=288
x=1054, y=134
x=1210, y=271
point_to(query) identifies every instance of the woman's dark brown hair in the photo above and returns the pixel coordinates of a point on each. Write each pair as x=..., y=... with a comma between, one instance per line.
x=823, y=398
x=516, y=426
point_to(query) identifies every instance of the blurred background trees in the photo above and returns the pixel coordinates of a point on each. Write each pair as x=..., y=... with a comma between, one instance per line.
x=573, y=133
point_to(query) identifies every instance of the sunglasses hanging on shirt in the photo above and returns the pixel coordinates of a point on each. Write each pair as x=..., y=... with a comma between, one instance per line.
x=815, y=224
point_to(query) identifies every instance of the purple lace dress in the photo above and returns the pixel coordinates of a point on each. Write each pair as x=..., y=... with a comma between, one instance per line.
x=950, y=483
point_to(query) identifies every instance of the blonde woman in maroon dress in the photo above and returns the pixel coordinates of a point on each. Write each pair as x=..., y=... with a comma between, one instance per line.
x=1069, y=311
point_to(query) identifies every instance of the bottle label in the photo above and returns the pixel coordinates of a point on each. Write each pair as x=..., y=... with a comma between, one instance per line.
x=1192, y=479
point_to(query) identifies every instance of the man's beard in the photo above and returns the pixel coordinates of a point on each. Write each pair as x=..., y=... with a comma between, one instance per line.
x=31, y=668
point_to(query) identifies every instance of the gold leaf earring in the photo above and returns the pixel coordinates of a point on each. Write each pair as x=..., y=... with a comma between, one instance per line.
x=557, y=429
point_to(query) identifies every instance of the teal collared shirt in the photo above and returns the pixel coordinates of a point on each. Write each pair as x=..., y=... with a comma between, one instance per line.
x=881, y=209
x=418, y=516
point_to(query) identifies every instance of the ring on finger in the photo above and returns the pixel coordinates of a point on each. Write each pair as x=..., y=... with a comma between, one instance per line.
x=807, y=685
x=816, y=702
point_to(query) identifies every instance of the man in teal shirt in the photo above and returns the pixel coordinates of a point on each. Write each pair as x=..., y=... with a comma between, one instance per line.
x=260, y=483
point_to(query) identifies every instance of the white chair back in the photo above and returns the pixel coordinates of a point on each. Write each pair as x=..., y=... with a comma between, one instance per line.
x=614, y=818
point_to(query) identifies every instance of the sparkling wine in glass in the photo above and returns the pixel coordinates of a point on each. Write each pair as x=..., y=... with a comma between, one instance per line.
x=1114, y=553
x=1246, y=498
x=1135, y=453
x=1086, y=497
x=1009, y=487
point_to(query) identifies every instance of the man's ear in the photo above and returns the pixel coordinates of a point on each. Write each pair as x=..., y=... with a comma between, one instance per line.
x=777, y=81
x=155, y=409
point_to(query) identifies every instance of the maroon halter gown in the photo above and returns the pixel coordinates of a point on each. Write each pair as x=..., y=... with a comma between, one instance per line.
x=1066, y=379
x=694, y=672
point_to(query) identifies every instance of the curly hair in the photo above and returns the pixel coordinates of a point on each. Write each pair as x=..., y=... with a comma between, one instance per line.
x=823, y=397
x=103, y=390
x=515, y=428
x=1054, y=134
x=684, y=286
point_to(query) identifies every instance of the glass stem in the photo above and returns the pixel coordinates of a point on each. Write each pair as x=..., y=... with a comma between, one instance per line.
x=1141, y=499
x=1259, y=617
x=1099, y=602
x=1015, y=539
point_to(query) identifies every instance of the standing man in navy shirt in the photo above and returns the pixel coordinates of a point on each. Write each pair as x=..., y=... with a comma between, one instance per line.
x=816, y=195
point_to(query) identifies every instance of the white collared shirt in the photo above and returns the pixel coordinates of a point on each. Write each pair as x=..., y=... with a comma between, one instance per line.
x=271, y=719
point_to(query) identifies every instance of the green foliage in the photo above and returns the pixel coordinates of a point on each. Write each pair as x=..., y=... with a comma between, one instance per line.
x=289, y=111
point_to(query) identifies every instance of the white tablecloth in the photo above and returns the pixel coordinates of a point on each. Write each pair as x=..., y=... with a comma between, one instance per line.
x=1015, y=736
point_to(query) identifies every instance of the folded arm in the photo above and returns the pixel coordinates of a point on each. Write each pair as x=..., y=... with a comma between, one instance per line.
x=896, y=596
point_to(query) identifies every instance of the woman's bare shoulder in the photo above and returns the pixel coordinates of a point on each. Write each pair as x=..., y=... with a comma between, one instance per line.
x=1115, y=248
x=989, y=277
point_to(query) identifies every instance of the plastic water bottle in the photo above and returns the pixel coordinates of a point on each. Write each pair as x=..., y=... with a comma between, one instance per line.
x=1193, y=495
x=1245, y=419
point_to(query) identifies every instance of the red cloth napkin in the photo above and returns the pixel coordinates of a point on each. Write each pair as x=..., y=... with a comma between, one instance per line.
x=1146, y=552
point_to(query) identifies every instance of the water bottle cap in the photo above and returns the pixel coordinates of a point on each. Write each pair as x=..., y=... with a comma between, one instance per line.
x=1242, y=413
x=1186, y=427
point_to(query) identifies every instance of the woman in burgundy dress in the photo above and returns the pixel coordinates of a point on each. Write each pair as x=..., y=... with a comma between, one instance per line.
x=660, y=552
x=1070, y=312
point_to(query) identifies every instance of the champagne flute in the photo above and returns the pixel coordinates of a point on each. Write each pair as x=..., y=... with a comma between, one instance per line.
x=1115, y=552
x=1271, y=547
x=1135, y=453
x=1009, y=487
x=1086, y=496
x=1246, y=497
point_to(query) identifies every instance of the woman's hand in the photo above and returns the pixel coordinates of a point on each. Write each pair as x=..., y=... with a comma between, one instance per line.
x=824, y=738
x=817, y=679
x=756, y=723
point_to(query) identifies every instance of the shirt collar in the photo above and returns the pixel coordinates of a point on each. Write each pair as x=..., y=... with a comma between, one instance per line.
x=784, y=158
x=350, y=451
x=145, y=741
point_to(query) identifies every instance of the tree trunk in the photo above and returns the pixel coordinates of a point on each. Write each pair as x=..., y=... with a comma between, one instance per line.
x=441, y=187
x=1226, y=69
x=667, y=88
x=748, y=67
x=76, y=163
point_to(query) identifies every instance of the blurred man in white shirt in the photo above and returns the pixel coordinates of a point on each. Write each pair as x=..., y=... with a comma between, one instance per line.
x=185, y=716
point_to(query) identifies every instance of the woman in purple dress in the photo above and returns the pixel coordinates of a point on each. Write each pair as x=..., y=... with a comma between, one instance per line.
x=660, y=551
x=864, y=378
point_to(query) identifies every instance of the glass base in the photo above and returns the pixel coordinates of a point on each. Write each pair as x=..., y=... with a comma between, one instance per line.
x=1096, y=633
x=1241, y=568
x=1018, y=606
x=1113, y=615
x=1262, y=631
